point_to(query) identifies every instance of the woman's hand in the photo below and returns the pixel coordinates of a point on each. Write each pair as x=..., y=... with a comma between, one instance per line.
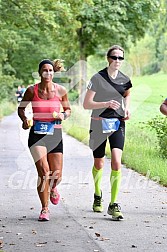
x=58, y=116
x=113, y=104
x=163, y=107
x=25, y=124
x=127, y=115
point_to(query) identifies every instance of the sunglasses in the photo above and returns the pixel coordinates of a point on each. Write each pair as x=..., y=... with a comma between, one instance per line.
x=115, y=57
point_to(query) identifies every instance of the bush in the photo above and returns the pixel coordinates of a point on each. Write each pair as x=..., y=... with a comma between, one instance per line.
x=7, y=87
x=6, y=108
x=151, y=68
x=73, y=95
x=164, y=65
x=159, y=124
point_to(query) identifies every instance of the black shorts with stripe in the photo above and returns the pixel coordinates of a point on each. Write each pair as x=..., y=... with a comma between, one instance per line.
x=98, y=139
x=53, y=143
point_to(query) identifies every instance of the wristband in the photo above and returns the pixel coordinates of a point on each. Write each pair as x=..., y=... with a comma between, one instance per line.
x=65, y=115
x=25, y=119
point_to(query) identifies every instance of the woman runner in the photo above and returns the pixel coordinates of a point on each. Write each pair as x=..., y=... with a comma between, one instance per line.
x=108, y=96
x=45, y=137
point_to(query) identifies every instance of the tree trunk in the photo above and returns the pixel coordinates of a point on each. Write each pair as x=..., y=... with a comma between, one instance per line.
x=83, y=73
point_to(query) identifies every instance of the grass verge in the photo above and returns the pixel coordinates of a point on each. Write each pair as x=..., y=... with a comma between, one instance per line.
x=141, y=149
x=6, y=108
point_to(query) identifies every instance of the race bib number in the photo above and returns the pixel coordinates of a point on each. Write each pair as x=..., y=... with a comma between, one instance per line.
x=110, y=125
x=19, y=99
x=44, y=128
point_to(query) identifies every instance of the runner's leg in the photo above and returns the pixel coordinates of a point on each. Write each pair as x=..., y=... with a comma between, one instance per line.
x=39, y=154
x=115, y=176
x=55, y=161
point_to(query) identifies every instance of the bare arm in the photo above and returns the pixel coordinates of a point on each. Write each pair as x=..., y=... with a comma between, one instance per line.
x=65, y=104
x=127, y=104
x=28, y=96
x=163, y=107
x=89, y=103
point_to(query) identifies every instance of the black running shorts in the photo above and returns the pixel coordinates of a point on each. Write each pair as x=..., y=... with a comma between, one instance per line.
x=53, y=143
x=98, y=139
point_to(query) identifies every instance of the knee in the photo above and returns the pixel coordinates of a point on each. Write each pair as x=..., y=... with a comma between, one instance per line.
x=43, y=172
x=99, y=163
x=116, y=165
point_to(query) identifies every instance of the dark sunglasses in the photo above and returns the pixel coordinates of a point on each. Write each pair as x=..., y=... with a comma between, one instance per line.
x=115, y=57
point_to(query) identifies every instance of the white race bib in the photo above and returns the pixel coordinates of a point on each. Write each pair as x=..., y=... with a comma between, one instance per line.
x=110, y=125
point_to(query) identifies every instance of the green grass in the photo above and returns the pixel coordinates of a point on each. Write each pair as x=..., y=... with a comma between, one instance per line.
x=6, y=108
x=142, y=155
x=78, y=124
x=141, y=150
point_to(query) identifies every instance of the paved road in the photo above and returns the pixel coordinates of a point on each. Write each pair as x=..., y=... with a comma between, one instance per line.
x=73, y=226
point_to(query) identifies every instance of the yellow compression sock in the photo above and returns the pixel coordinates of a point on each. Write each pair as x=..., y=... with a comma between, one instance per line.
x=97, y=176
x=115, y=180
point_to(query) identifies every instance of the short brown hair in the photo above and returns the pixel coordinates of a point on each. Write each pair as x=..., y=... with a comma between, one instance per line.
x=114, y=47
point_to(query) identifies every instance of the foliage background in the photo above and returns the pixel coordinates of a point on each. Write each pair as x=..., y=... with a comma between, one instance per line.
x=75, y=30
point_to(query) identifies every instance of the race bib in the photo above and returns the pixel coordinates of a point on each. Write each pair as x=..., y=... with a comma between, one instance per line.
x=44, y=128
x=19, y=99
x=110, y=125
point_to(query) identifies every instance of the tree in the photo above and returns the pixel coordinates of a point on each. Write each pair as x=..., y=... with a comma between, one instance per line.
x=41, y=28
x=149, y=54
x=70, y=29
x=142, y=55
x=107, y=22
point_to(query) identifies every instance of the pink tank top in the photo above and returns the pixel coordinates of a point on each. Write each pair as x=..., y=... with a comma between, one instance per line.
x=43, y=109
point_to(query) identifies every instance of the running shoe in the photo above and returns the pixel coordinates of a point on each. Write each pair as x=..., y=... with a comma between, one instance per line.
x=115, y=211
x=54, y=196
x=97, y=205
x=44, y=215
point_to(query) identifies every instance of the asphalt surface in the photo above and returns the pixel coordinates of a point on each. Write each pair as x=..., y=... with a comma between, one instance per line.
x=73, y=226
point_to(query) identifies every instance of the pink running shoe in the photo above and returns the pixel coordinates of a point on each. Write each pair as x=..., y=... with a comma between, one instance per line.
x=54, y=196
x=44, y=215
